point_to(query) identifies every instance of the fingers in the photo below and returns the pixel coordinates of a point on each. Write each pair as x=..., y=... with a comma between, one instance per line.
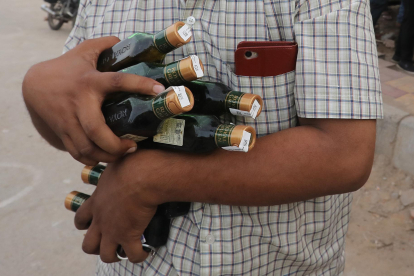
x=70, y=147
x=116, y=81
x=84, y=215
x=95, y=128
x=92, y=241
x=108, y=251
x=134, y=252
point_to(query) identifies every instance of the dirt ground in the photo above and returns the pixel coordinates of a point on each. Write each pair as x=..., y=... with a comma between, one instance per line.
x=380, y=240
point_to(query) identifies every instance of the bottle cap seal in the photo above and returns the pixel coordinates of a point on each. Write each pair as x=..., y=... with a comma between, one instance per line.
x=85, y=174
x=69, y=199
x=247, y=101
x=187, y=69
x=174, y=38
x=237, y=135
x=173, y=102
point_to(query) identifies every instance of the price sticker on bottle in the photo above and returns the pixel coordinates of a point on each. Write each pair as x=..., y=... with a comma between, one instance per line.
x=182, y=95
x=185, y=32
x=197, y=66
x=244, y=143
x=252, y=113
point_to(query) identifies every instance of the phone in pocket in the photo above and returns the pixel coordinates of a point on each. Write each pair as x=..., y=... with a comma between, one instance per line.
x=265, y=58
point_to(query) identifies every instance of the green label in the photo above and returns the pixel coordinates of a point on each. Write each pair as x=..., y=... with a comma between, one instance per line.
x=160, y=108
x=233, y=99
x=77, y=201
x=172, y=73
x=223, y=135
x=95, y=173
x=162, y=43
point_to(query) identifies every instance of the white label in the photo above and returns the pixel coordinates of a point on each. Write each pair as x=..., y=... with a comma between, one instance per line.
x=182, y=96
x=197, y=66
x=135, y=138
x=185, y=32
x=253, y=111
x=244, y=144
x=171, y=131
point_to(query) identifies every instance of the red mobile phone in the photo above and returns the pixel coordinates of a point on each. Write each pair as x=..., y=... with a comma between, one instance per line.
x=265, y=58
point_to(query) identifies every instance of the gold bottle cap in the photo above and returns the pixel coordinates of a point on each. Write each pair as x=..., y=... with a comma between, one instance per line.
x=173, y=102
x=187, y=69
x=237, y=134
x=174, y=37
x=247, y=101
x=69, y=199
x=85, y=174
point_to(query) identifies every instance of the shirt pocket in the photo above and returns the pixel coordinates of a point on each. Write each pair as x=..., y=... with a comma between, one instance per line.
x=277, y=92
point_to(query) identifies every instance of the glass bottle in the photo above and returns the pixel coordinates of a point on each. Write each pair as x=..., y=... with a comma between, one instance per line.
x=143, y=47
x=137, y=117
x=172, y=74
x=213, y=98
x=201, y=133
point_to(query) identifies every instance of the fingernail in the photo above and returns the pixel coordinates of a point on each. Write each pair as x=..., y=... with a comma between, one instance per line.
x=158, y=88
x=131, y=150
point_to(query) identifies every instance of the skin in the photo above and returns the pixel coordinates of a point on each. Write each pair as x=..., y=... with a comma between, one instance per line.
x=318, y=158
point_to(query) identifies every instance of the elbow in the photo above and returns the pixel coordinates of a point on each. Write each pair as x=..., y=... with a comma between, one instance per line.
x=358, y=173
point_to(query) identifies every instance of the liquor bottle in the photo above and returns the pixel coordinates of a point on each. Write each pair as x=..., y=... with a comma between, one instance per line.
x=143, y=47
x=212, y=98
x=155, y=235
x=200, y=134
x=172, y=74
x=91, y=175
x=137, y=117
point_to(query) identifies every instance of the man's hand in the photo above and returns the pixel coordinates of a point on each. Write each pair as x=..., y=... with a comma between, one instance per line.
x=64, y=98
x=118, y=211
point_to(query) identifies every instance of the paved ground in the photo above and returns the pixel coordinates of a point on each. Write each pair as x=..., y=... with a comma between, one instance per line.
x=37, y=236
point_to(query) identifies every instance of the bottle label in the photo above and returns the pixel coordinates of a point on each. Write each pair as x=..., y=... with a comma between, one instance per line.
x=252, y=113
x=223, y=135
x=172, y=73
x=161, y=42
x=197, y=66
x=95, y=173
x=160, y=108
x=233, y=99
x=133, y=137
x=244, y=143
x=171, y=131
x=77, y=201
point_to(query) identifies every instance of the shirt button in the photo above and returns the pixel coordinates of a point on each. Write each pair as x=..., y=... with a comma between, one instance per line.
x=210, y=239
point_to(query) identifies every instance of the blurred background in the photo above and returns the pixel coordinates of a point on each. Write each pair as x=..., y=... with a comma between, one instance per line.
x=37, y=234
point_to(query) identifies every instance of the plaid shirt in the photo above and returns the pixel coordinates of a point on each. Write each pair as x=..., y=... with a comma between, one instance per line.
x=336, y=77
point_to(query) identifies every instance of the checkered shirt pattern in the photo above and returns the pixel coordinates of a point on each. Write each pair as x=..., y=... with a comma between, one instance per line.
x=336, y=77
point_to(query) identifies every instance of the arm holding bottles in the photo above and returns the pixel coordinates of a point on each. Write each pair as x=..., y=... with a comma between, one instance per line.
x=320, y=157
x=64, y=97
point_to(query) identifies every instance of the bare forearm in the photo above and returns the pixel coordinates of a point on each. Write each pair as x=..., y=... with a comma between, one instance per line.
x=292, y=165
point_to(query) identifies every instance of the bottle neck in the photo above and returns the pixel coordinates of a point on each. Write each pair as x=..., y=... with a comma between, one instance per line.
x=174, y=101
x=74, y=200
x=91, y=175
x=235, y=137
x=169, y=39
x=222, y=136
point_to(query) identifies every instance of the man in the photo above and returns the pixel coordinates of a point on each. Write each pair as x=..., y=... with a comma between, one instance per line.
x=281, y=209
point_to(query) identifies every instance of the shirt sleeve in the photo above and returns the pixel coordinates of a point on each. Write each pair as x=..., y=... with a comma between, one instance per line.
x=337, y=72
x=78, y=33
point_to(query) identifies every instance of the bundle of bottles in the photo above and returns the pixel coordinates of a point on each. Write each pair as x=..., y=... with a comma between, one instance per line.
x=182, y=118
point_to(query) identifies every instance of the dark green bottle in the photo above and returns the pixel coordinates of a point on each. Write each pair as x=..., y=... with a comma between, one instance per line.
x=213, y=98
x=91, y=175
x=137, y=117
x=172, y=74
x=201, y=134
x=143, y=47
x=156, y=233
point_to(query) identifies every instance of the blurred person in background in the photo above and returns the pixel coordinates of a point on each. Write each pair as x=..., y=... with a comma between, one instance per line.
x=404, y=46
